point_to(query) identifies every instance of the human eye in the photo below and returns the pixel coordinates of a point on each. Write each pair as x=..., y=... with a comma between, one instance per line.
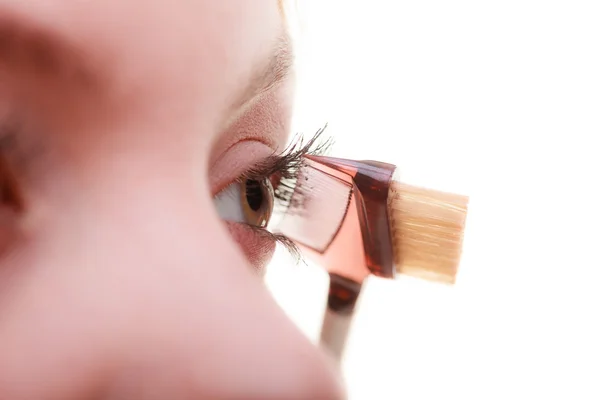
x=262, y=193
x=247, y=200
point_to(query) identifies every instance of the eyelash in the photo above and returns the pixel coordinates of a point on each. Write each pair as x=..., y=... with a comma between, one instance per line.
x=284, y=168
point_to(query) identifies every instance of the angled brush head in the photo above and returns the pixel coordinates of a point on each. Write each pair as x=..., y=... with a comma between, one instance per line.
x=316, y=209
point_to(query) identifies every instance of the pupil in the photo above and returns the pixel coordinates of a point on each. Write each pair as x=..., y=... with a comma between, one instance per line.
x=254, y=194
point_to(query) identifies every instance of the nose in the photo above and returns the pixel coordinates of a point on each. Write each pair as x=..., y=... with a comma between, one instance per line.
x=142, y=303
x=266, y=357
x=244, y=351
x=234, y=344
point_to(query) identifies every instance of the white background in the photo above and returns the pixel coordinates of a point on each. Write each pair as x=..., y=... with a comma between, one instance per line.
x=496, y=100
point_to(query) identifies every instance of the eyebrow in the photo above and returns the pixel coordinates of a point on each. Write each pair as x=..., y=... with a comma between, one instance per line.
x=270, y=73
x=27, y=48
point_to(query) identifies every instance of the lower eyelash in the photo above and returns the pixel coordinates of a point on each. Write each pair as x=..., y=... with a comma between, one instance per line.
x=286, y=242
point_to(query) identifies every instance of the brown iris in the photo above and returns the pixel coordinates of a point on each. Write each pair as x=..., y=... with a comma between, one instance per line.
x=257, y=201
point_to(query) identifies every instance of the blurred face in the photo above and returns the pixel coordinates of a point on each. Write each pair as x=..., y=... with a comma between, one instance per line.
x=119, y=123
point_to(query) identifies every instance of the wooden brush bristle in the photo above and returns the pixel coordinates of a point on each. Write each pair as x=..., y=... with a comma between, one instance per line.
x=427, y=231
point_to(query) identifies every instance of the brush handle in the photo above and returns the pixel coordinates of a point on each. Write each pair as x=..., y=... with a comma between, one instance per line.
x=343, y=294
x=334, y=333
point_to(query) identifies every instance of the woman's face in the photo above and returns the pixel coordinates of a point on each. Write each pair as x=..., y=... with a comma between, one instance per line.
x=120, y=121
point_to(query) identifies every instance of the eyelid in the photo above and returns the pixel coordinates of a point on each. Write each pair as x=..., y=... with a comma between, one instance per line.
x=284, y=165
x=235, y=162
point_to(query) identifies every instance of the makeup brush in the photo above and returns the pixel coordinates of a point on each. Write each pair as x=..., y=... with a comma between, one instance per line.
x=356, y=218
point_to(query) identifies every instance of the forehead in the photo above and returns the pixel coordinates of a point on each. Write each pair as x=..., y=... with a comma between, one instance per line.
x=139, y=41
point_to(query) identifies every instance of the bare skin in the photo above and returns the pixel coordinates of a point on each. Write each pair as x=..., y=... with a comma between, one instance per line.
x=120, y=122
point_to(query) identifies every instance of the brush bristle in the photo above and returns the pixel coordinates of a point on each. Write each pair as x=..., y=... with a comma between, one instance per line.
x=427, y=231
